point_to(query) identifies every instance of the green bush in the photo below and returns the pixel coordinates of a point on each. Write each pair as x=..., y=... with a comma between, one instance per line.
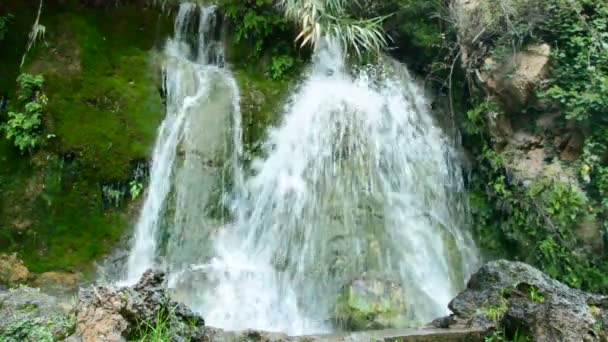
x=256, y=22
x=579, y=82
x=261, y=29
x=24, y=125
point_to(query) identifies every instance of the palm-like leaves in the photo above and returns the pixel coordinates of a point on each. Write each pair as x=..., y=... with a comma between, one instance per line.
x=330, y=17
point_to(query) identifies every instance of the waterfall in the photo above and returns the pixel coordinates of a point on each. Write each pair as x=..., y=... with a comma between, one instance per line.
x=356, y=179
x=201, y=131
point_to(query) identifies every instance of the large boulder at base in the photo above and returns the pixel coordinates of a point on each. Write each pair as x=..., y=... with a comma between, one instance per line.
x=371, y=303
x=26, y=314
x=12, y=270
x=517, y=297
x=110, y=314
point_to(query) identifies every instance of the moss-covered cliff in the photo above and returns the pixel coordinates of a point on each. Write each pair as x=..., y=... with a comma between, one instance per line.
x=68, y=203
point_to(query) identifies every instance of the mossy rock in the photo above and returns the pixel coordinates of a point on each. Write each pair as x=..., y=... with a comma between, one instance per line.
x=371, y=303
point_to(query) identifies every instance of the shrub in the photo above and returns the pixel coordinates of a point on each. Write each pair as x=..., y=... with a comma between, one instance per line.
x=24, y=125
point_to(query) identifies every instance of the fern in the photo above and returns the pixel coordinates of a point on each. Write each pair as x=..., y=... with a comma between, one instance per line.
x=318, y=18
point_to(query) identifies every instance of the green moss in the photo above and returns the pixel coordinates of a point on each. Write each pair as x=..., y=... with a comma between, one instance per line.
x=104, y=108
x=261, y=106
x=104, y=103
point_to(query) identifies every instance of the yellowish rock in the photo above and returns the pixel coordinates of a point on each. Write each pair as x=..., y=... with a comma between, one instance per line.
x=12, y=270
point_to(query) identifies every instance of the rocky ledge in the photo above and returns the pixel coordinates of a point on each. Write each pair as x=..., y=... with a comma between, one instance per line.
x=503, y=301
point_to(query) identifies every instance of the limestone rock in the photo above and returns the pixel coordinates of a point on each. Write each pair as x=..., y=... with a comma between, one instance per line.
x=517, y=296
x=106, y=313
x=26, y=314
x=60, y=283
x=372, y=303
x=514, y=79
x=12, y=270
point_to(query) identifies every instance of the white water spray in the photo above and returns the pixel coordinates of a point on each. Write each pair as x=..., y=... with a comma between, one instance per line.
x=200, y=132
x=358, y=179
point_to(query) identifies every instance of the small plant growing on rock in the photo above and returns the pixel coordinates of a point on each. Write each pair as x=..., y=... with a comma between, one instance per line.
x=158, y=330
x=24, y=125
x=496, y=313
x=135, y=189
x=535, y=295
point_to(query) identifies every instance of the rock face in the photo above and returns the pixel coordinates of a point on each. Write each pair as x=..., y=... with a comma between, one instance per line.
x=26, y=314
x=112, y=314
x=372, y=303
x=515, y=78
x=12, y=270
x=518, y=297
x=58, y=283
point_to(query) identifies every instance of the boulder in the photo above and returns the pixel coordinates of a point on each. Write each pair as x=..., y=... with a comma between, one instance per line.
x=517, y=297
x=26, y=314
x=12, y=270
x=107, y=313
x=58, y=283
x=516, y=77
x=372, y=303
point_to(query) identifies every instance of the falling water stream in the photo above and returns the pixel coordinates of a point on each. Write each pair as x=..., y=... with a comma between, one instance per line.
x=356, y=180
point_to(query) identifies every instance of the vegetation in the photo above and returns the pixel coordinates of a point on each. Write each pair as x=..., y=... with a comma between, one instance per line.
x=100, y=98
x=158, y=330
x=24, y=125
x=331, y=18
x=39, y=329
x=104, y=108
x=536, y=222
x=260, y=25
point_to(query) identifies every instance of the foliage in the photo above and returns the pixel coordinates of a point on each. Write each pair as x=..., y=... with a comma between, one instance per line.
x=257, y=21
x=158, y=330
x=260, y=24
x=280, y=65
x=535, y=295
x=318, y=19
x=534, y=223
x=579, y=81
x=505, y=25
x=135, y=189
x=27, y=331
x=105, y=107
x=495, y=313
x=39, y=329
x=24, y=125
x=4, y=22
x=37, y=33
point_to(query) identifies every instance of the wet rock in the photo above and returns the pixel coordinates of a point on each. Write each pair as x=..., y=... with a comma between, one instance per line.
x=106, y=313
x=516, y=296
x=26, y=314
x=372, y=303
x=58, y=283
x=12, y=270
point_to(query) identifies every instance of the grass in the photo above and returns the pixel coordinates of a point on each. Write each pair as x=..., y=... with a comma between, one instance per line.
x=159, y=330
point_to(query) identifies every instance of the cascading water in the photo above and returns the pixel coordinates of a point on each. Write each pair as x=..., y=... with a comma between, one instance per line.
x=357, y=179
x=198, y=142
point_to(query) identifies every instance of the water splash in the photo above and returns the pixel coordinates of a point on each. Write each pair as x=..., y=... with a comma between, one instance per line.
x=357, y=179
